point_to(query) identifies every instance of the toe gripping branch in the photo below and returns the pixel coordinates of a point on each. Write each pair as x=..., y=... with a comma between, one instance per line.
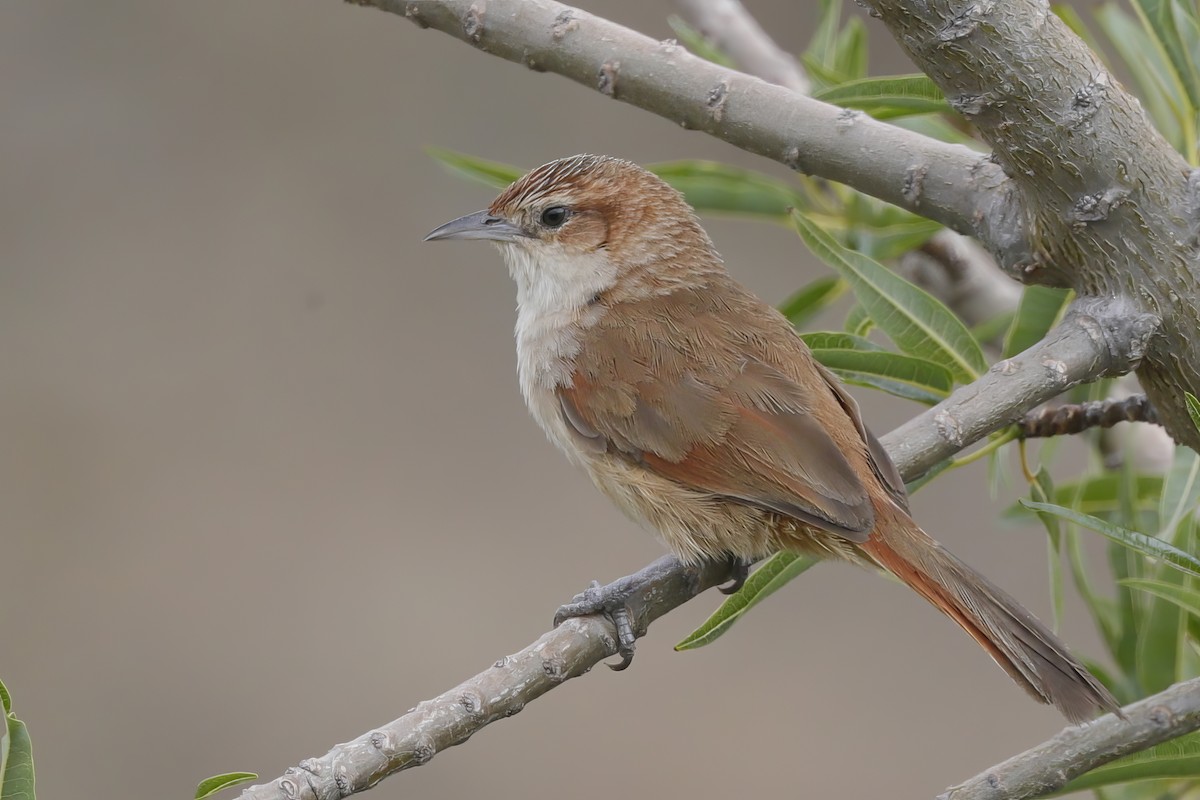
x=632, y=602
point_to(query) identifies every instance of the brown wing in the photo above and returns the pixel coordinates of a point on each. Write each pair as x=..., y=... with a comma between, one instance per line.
x=881, y=462
x=672, y=387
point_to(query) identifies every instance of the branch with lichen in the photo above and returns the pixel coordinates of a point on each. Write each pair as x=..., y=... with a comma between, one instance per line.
x=1095, y=339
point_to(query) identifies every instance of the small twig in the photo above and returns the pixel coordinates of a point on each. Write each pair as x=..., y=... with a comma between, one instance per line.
x=1076, y=750
x=736, y=33
x=1072, y=418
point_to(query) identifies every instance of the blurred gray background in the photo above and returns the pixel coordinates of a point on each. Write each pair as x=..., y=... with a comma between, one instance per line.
x=267, y=480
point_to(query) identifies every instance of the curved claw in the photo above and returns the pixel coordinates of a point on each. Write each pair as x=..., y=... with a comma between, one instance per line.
x=609, y=601
x=626, y=638
x=739, y=570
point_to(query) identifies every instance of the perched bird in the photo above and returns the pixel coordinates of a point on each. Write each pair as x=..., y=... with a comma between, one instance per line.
x=698, y=410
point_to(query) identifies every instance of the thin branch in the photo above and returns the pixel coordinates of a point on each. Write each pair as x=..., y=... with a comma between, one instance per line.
x=736, y=33
x=1098, y=337
x=951, y=184
x=1071, y=418
x=1076, y=750
x=1095, y=339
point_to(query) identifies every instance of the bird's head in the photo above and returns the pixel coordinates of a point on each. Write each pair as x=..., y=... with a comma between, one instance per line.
x=576, y=227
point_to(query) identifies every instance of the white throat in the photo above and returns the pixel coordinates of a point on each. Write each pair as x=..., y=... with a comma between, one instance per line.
x=554, y=310
x=554, y=306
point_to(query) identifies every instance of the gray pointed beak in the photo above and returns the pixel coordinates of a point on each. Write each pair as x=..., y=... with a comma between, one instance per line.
x=480, y=225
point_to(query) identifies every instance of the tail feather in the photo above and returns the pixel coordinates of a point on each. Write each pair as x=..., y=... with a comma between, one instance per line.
x=1024, y=647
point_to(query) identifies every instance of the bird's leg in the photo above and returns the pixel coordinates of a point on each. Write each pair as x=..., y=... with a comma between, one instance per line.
x=739, y=570
x=612, y=602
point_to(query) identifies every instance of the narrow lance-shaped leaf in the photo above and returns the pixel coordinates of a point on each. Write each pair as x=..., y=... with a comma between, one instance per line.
x=1181, y=489
x=1138, y=542
x=901, y=375
x=16, y=753
x=913, y=319
x=1039, y=310
x=888, y=97
x=1159, y=88
x=836, y=340
x=812, y=299
x=210, y=786
x=1175, y=26
x=762, y=583
x=1193, y=407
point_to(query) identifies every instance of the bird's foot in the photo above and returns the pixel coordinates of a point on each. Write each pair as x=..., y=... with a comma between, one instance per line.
x=610, y=601
x=739, y=570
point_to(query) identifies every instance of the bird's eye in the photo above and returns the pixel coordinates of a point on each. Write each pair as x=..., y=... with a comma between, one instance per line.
x=555, y=216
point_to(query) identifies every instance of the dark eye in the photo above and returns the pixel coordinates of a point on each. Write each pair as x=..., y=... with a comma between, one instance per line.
x=554, y=216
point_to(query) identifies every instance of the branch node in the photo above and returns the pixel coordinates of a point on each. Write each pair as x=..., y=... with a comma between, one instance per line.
x=848, y=116
x=914, y=183
x=566, y=22
x=607, y=80
x=1096, y=207
x=716, y=100
x=473, y=23
x=949, y=428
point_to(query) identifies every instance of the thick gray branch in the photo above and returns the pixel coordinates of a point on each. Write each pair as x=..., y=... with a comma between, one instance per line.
x=738, y=35
x=1095, y=339
x=947, y=183
x=1052, y=764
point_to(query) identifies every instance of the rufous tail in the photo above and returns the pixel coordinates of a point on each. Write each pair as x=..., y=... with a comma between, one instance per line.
x=1013, y=637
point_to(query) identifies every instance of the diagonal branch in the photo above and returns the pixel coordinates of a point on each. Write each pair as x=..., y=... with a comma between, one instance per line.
x=951, y=184
x=1097, y=338
x=1076, y=750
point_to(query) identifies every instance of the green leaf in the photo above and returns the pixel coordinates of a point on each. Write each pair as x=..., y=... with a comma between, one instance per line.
x=711, y=186
x=905, y=376
x=489, y=173
x=836, y=340
x=1177, y=30
x=1097, y=494
x=1193, y=407
x=822, y=49
x=811, y=299
x=1181, y=489
x=210, y=786
x=1184, y=597
x=762, y=583
x=1040, y=310
x=697, y=42
x=913, y=319
x=1159, y=636
x=1177, y=758
x=858, y=321
x=1159, y=88
x=1041, y=490
x=888, y=97
x=884, y=242
x=1138, y=542
x=851, y=50
x=16, y=754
